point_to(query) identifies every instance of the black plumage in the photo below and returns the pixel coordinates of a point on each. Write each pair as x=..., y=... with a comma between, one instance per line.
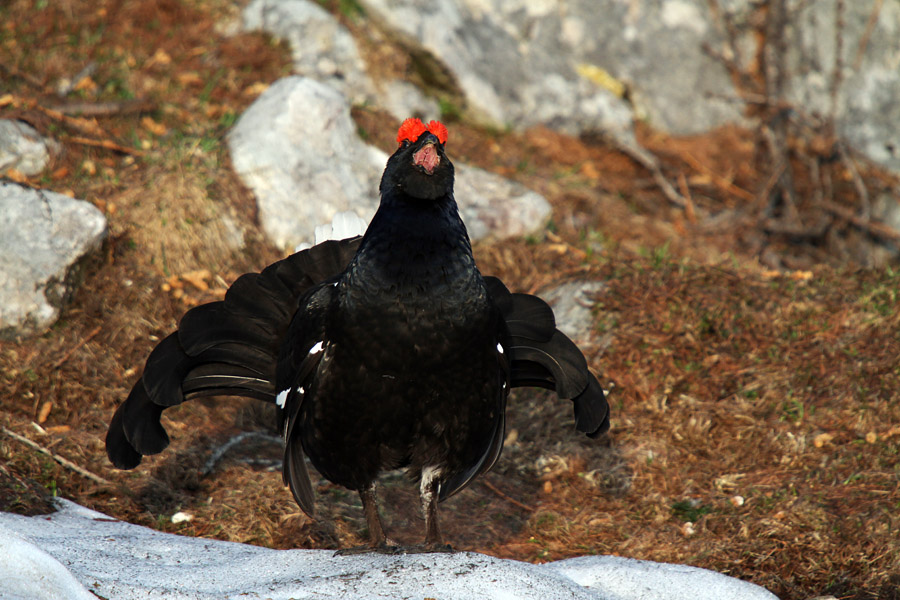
x=385, y=351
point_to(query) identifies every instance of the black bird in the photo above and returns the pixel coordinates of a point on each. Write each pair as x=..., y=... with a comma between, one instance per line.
x=385, y=351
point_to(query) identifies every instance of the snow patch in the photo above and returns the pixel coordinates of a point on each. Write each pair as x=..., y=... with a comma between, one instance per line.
x=121, y=561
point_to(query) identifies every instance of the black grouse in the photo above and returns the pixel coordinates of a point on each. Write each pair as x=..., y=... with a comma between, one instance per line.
x=385, y=351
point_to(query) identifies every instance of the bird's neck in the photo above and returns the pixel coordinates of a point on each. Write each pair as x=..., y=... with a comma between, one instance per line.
x=413, y=252
x=406, y=230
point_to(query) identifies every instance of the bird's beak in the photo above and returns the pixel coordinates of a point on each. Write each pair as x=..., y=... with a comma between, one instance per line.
x=427, y=157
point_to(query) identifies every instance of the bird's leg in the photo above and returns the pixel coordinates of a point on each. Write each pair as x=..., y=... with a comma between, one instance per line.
x=429, y=492
x=377, y=538
x=378, y=541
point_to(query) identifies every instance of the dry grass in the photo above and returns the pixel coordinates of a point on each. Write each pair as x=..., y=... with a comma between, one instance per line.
x=756, y=415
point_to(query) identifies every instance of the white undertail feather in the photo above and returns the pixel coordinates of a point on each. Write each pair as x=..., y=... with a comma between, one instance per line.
x=429, y=474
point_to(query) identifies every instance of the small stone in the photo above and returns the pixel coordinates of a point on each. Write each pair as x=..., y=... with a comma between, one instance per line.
x=182, y=517
x=23, y=149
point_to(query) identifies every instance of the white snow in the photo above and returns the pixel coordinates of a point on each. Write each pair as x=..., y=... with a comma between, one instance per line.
x=63, y=555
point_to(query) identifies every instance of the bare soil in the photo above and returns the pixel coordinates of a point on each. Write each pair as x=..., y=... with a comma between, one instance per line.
x=753, y=372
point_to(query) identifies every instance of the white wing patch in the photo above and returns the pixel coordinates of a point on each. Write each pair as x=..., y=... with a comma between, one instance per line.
x=316, y=349
x=499, y=348
x=281, y=398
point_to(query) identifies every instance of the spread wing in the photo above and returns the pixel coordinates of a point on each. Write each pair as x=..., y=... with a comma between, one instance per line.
x=542, y=356
x=230, y=347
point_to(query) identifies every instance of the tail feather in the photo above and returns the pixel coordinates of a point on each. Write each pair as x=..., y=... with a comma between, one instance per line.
x=296, y=476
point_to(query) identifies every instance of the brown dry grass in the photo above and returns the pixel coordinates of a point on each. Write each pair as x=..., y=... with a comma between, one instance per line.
x=728, y=381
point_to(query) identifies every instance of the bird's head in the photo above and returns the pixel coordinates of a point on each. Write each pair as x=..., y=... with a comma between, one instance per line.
x=419, y=166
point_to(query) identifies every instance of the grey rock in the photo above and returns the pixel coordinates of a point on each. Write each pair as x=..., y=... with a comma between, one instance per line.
x=573, y=304
x=43, y=236
x=868, y=114
x=24, y=149
x=886, y=208
x=521, y=63
x=321, y=47
x=494, y=207
x=403, y=100
x=297, y=149
x=657, y=48
x=524, y=63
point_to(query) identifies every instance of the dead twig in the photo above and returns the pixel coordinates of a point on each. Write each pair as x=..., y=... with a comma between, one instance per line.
x=220, y=452
x=864, y=40
x=85, y=126
x=512, y=501
x=873, y=228
x=107, y=144
x=66, y=84
x=63, y=461
x=104, y=109
x=72, y=350
x=858, y=182
x=718, y=180
x=31, y=80
x=689, y=212
x=649, y=162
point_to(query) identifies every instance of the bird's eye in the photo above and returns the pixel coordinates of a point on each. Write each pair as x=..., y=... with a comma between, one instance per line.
x=404, y=144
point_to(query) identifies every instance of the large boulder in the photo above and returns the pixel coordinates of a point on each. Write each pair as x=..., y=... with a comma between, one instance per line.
x=524, y=63
x=321, y=48
x=568, y=65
